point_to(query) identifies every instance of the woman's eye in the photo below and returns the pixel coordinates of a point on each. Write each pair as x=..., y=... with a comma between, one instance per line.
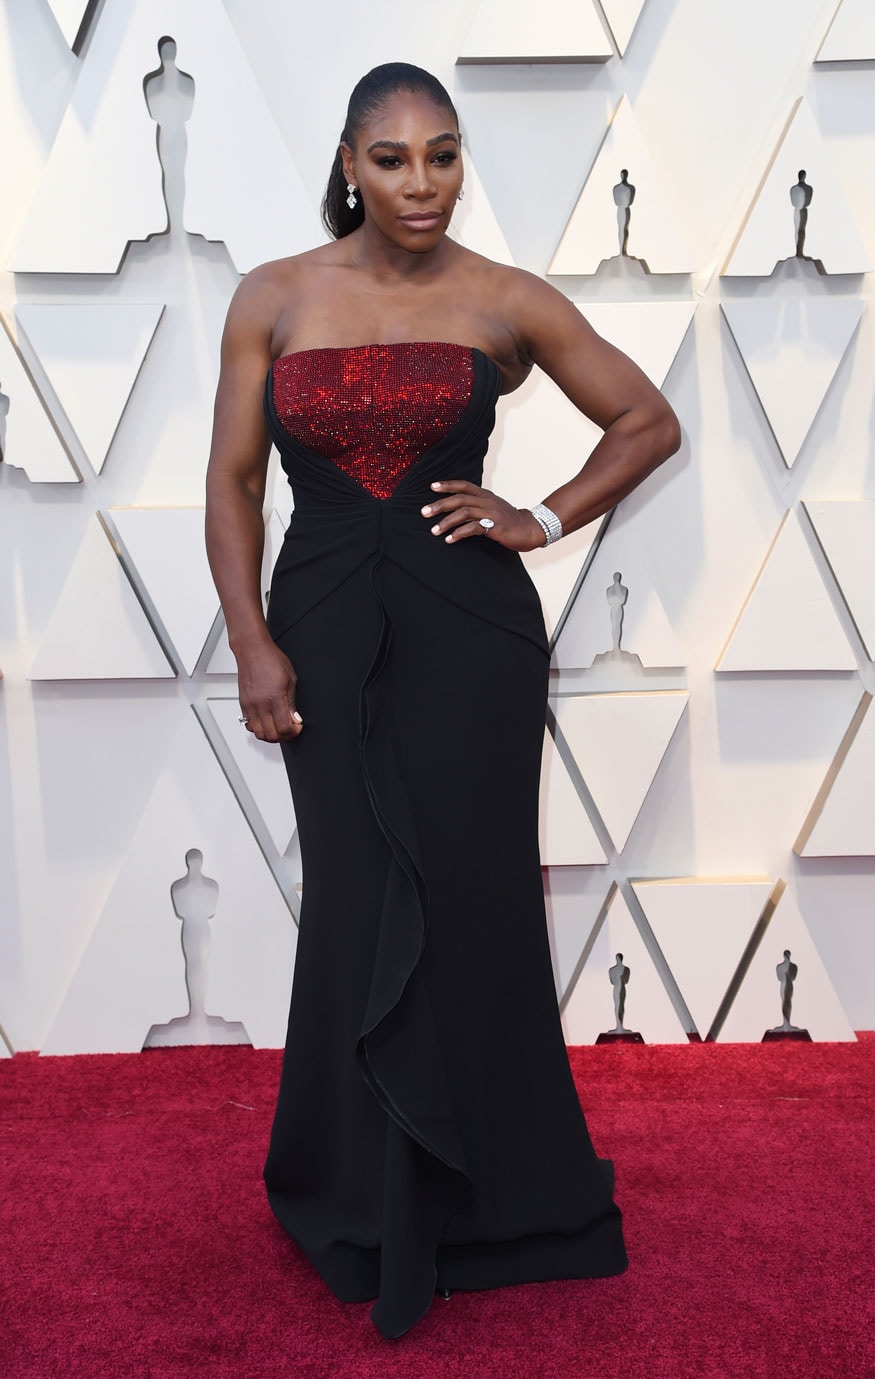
x=391, y=160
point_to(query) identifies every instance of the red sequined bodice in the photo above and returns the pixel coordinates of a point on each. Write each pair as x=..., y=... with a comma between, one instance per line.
x=373, y=409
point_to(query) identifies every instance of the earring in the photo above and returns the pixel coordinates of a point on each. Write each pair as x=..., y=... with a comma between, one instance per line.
x=461, y=193
x=351, y=200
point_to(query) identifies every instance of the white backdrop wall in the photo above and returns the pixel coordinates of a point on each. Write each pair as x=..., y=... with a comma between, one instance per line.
x=119, y=747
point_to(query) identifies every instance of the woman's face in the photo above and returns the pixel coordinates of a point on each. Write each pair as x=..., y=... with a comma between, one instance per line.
x=407, y=165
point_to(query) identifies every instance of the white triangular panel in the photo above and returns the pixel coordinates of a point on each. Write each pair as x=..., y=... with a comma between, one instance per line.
x=851, y=35
x=165, y=546
x=69, y=15
x=566, y=834
x=646, y=631
x=769, y=234
x=589, y=1010
x=618, y=742
x=552, y=31
x=703, y=928
x=576, y=898
x=841, y=822
x=282, y=498
x=257, y=204
x=656, y=234
x=815, y=1005
x=262, y=769
x=541, y=442
x=92, y=355
x=788, y=621
x=528, y=468
x=792, y=349
x=474, y=222
x=132, y=973
x=32, y=444
x=555, y=570
x=651, y=333
x=622, y=16
x=222, y=661
x=98, y=630
x=846, y=532
x=102, y=182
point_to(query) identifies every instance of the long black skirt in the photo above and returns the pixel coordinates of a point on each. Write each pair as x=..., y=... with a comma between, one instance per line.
x=432, y=1137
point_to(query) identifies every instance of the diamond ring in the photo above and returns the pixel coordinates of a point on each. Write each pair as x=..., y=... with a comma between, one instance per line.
x=487, y=523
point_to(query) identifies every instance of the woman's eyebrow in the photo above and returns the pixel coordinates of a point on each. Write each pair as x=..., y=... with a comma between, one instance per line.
x=400, y=144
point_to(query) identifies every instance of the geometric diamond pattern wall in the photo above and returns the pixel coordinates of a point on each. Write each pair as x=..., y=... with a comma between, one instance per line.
x=792, y=351
x=29, y=440
x=823, y=229
x=788, y=621
x=92, y=355
x=71, y=16
x=683, y=808
x=653, y=235
x=851, y=35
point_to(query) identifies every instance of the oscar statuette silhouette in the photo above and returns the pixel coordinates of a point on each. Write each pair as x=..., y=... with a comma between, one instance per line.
x=619, y=975
x=786, y=972
x=194, y=898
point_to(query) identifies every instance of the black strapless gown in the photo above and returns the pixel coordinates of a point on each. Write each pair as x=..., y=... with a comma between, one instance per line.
x=427, y=1133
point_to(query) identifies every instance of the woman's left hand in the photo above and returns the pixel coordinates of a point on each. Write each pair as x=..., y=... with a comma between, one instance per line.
x=458, y=507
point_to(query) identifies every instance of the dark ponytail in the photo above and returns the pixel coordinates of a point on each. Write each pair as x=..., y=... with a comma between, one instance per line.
x=368, y=96
x=337, y=217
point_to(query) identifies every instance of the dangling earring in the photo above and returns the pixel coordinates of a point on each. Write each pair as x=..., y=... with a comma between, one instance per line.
x=351, y=200
x=461, y=193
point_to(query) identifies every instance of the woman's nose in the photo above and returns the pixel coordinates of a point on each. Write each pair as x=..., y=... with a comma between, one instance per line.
x=420, y=183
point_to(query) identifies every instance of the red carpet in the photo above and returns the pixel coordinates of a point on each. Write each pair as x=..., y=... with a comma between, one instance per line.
x=137, y=1242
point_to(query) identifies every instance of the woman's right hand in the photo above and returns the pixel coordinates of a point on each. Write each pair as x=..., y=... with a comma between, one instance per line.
x=266, y=683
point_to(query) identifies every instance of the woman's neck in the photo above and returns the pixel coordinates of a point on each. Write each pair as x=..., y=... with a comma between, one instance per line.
x=372, y=252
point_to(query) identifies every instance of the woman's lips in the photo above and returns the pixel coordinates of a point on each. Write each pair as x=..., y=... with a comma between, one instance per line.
x=425, y=220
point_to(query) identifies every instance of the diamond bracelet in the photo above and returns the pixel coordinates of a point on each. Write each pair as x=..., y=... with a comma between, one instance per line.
x=548, y=522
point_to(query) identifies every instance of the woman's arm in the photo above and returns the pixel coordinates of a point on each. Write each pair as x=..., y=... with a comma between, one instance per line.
x=236, y=477
x=640, y=428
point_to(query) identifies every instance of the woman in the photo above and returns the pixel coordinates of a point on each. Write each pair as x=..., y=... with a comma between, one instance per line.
x=427, y=1132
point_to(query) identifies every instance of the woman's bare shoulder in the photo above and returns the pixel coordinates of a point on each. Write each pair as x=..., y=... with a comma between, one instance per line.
x=267, y=292
x=493, y=276
x=514, y=293
x=288, y=272
x=529, y=307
